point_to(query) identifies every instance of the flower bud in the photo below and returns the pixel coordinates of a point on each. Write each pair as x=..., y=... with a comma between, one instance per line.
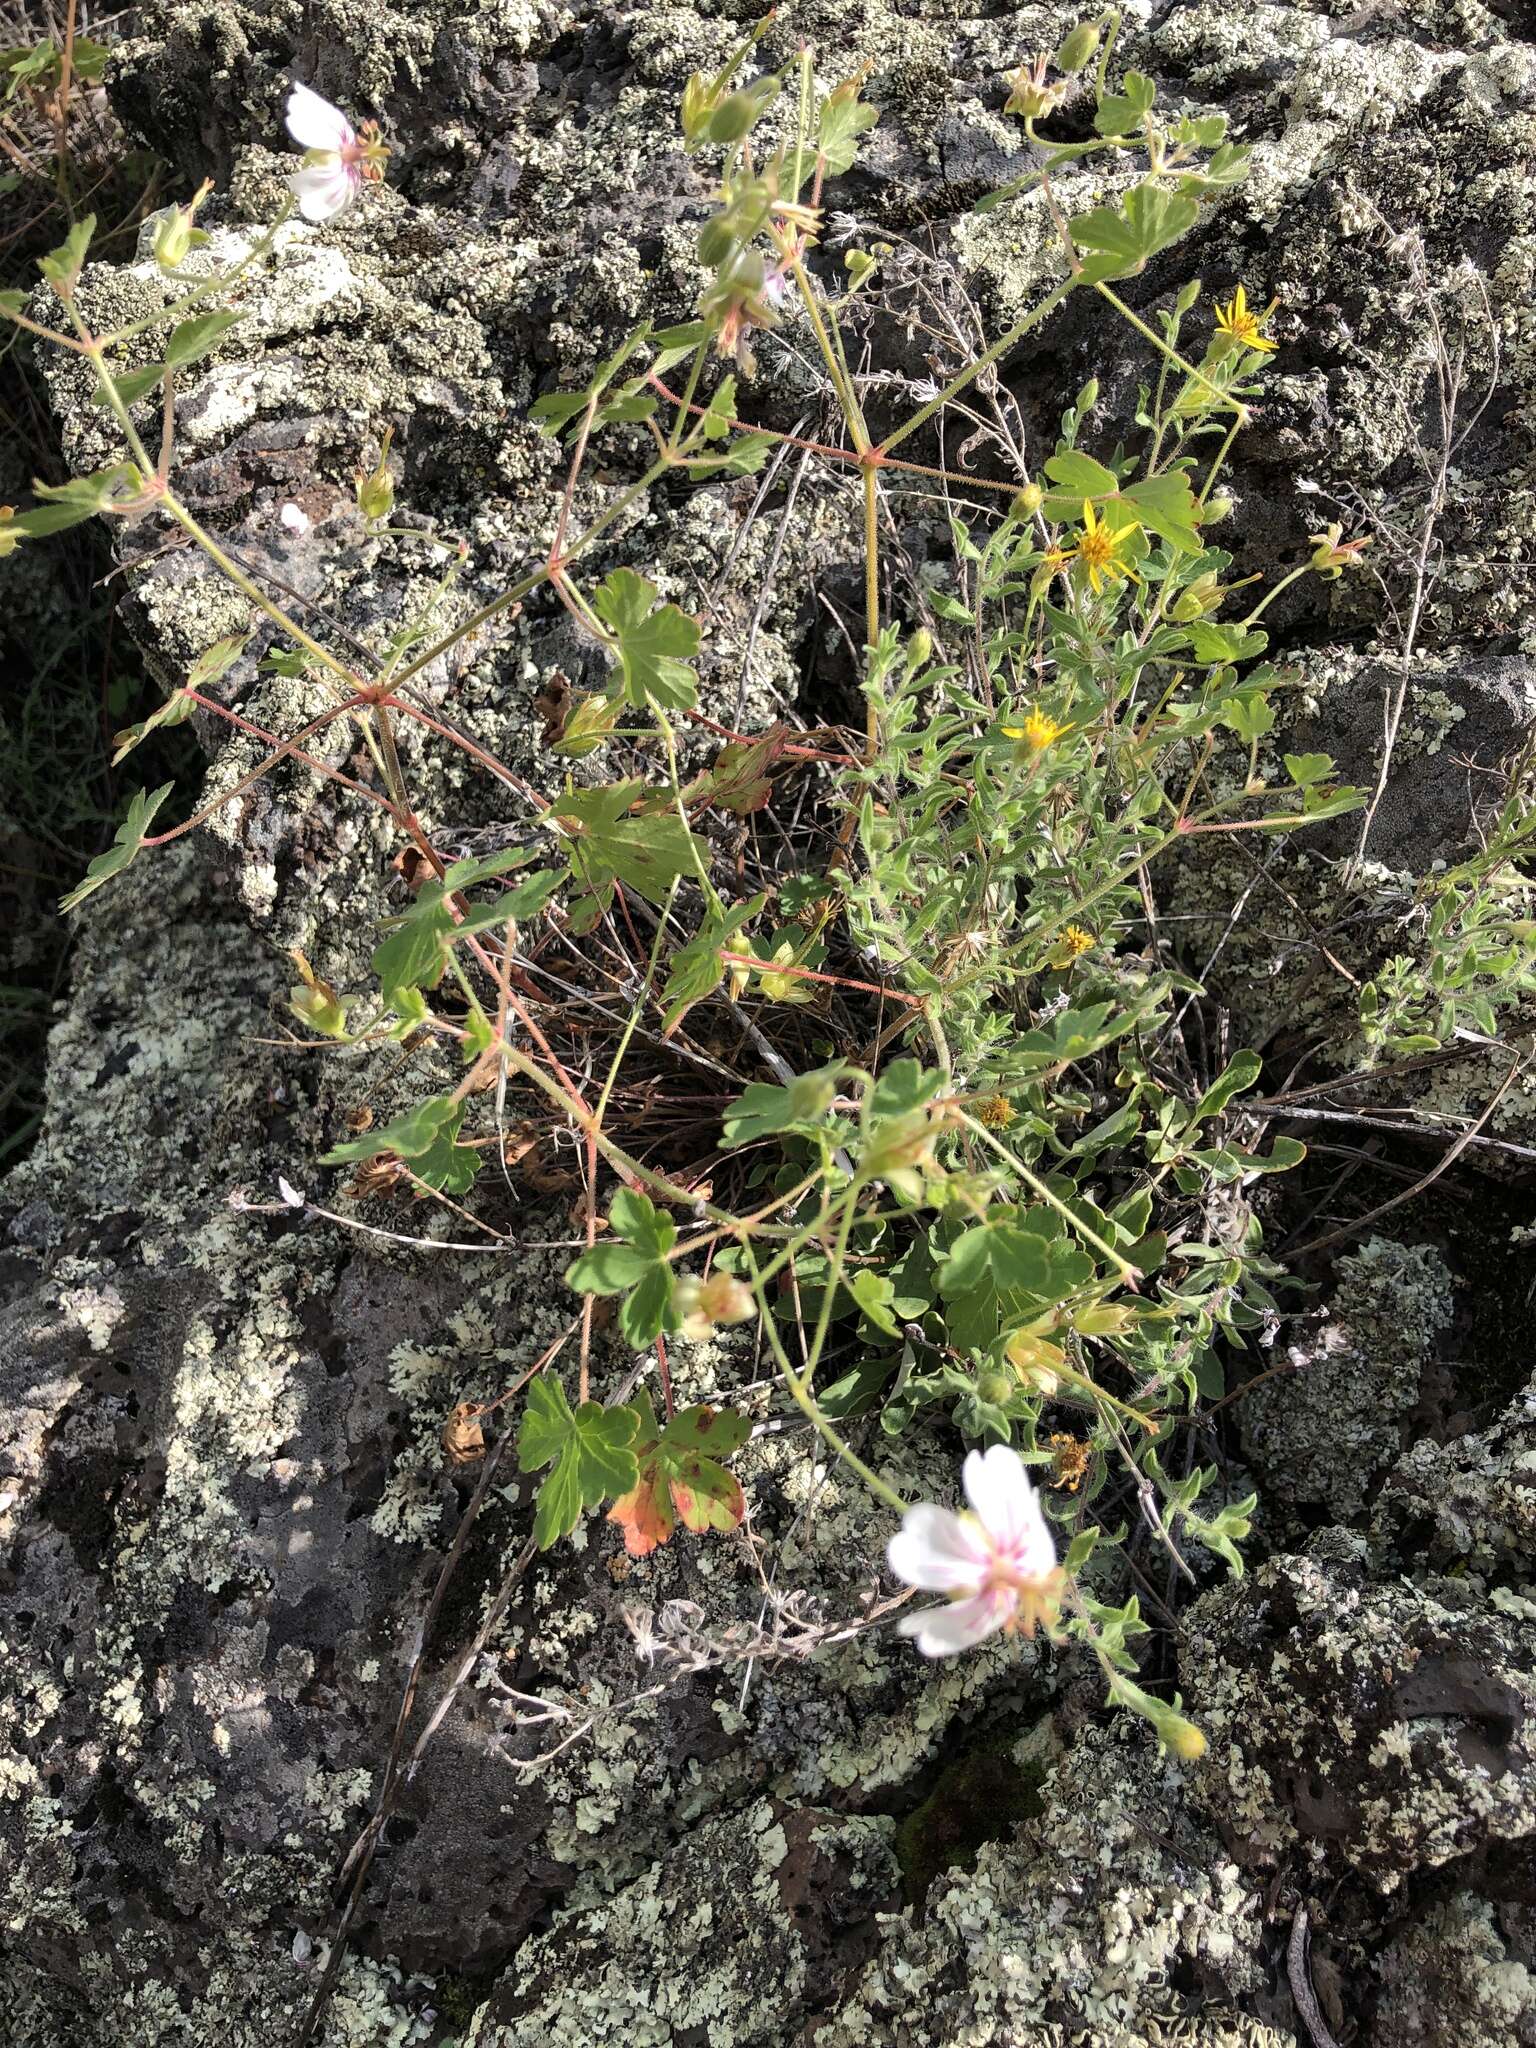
x=1028, y=502
x=376, y=491
x=702, y=1304
x=1182, y=1737
x=995, y=1388
x=1216, y=509
x=698, y=105
x=738, y=111
x=175, y=234
x=10, y=539
x=1080, y=47
x=1088, y=397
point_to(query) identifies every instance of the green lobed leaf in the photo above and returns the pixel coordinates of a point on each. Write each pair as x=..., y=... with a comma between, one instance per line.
x=1166, y=506
x=130, y=837
x=426, y=1137
x=1122, y=240
x=611, y=842
x=679, y=1475
x=588, y=1449
x=656, y=643
x=635, y=1266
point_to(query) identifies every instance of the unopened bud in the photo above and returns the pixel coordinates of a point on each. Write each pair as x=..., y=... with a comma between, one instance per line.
x=176, y=235
x=738, y=111
x=1028, y=502
x=1216, y=509
x=1182, y=1737
x=995, y=1388
x=703, y=1304
x=1088, y=397
x=698, y=105
x=1079, y=47
x=376, y=491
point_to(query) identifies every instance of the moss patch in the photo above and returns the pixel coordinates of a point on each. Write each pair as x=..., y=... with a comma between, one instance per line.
x=980, y=1797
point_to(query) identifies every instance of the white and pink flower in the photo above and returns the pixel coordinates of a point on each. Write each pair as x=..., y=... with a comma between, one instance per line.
x=337, y=158
x=997, y=1564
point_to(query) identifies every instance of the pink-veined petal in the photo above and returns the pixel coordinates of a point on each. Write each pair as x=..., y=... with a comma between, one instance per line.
x=944, y=1631
x=937, y=1551
x=324, y=190
x=997, y=1487
x=314, y=123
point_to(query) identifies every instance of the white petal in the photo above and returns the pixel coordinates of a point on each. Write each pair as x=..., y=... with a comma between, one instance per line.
x=314, y=123
x=323, y=190
x=942, y=1631
x=998, y=1488
x=936, y=1551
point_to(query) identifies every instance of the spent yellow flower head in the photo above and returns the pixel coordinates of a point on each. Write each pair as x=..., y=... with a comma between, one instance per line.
x=996, y=1112
x=1037, y=731
x=1104, y=550
x=1241, y=324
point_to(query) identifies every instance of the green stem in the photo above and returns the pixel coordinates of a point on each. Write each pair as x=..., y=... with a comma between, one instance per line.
x=1032, y=1181
x=984, y=361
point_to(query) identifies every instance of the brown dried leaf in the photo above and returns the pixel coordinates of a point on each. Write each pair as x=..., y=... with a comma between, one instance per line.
x=463, y=1438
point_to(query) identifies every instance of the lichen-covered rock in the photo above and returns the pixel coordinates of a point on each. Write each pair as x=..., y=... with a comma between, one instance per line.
x=1086, y=1920
x=1323, y=1429
x=1452, y=1981
x=1471, y=1501
x=742, y=1938
x=224, y=1494
x=1387, y=1724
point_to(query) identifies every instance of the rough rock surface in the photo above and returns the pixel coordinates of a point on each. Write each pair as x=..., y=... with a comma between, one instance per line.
x=223, y=1492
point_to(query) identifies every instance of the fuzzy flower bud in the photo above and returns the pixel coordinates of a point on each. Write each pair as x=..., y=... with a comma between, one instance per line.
x=722, y=1298
x=376, y=491
x=1079, y=48
x=176, y=236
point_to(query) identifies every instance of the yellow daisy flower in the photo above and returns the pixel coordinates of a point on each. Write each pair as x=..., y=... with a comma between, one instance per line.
x=1101, y=548
x=1242, y=325
x=1037, y=732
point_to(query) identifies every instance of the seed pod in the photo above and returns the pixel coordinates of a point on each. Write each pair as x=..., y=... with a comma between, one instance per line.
x=738, y=111
x=1079, y=48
